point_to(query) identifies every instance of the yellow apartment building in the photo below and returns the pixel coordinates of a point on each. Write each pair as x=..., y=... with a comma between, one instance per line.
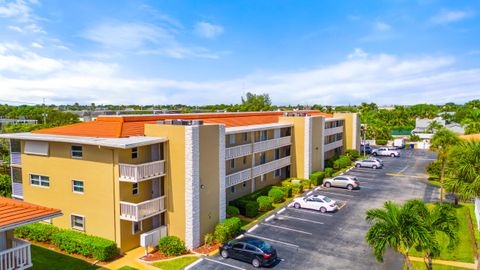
x=133, y=179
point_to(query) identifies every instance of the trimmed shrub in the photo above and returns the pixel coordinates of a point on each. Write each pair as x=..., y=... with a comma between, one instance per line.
x=381, y=142
x=306, y=183
x=352, y=154
x=227, y=229
x=39, y=232
x=328, y=172
x=209, y=239
x=287, y=190
x=171, y=246
x=86, y=245
x=264, y=203
x=251, y=209
x=232, y=211
x=317, y=178
x=277, y=195
x=342, y=162
x=297, y=188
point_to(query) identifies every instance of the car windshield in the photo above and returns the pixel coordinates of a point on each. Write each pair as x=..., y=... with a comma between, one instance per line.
x=327, y=199
x=264, y=246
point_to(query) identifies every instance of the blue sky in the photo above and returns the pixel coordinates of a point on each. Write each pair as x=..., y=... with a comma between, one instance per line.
x=205, y=52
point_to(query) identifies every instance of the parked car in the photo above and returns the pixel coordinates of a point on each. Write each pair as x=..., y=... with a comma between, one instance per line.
x=377, y=159
x=369, y=163
x=249, y=249
x=384, y=151
x=316, y=202
x=365, y=149
x=343, y=181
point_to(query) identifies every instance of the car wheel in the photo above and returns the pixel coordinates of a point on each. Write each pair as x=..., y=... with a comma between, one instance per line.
x=374, y=167
x=328, y=185
x=375, y=154
x=392, y=155
x=358, y=165
x=256, y=263
x=323, y=209
x=297, y=205
x=224, y=254
x=349, y=187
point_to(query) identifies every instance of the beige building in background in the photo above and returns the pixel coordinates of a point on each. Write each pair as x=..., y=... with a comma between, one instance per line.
x=135, y=178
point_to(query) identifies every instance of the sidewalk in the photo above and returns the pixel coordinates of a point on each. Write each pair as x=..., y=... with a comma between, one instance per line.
x=130, y=259
x=449, y=263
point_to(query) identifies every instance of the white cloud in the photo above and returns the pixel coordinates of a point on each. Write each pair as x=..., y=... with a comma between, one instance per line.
x=382, y=27
x=14, y=9
x=37, y=45
x=357, y=54
x=448, y=16
x=208, y=30
x=380, y=78
x=15, y=28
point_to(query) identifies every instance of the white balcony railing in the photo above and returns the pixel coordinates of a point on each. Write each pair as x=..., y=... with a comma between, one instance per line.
x=238, y=151
x=333, y=145
x=141, y=172
x=331, y=131
x=238, y=177
x=271, y=144
x=270, y=166
x=17, y=257
x=15, y=158
x=143, y=210
x=17, y=190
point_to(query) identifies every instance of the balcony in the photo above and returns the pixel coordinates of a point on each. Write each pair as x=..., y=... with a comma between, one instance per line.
x=140, y=172
x=238, y=151
x=16, y=158
x=271, y=144
x=332, y=145
x=331, y=131
x=270, y=166
x=17, y=257
x=140, y=211
x=238, y=177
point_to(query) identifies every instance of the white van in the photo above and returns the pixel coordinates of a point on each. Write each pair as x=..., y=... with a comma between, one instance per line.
x=400, y=143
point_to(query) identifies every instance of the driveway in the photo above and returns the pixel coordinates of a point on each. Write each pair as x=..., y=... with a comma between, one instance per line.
x=307, y=239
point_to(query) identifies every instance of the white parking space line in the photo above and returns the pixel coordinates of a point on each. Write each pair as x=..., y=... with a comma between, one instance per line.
x=270, y=217
x=252, y=228
x=310, y=212
x=302, y=219
x=193, y=264
x=339, y=194
x=286, y=228
x=273, y=240
x=281, y=210
x=226, y=264
x=309, y=193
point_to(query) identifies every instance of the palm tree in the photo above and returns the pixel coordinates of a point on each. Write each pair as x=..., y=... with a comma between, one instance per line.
x=442, y=141
x=464, y=170
x=395, y=227
x=440, y=219
x=472, y=121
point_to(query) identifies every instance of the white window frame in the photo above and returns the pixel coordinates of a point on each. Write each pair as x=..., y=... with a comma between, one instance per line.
x=134, y=152
x=231, y=139
x=232, y=163
x=140, y=227
x=76, y=151
x=39, y=180
x=73, y=186
x=262, y=177
x=72, y=223
x=135, y=188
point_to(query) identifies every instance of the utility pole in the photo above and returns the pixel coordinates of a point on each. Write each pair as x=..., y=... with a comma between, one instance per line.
x=44, y=113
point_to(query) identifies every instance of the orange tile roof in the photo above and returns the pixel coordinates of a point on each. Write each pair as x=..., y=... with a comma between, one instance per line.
x=133, y=125
x=18, y=212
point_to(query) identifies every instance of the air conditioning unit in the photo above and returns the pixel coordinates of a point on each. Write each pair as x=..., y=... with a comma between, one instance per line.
x=150, y=238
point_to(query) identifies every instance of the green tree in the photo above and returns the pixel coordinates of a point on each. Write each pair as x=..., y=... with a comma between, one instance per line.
x=254, y=102
x=395, y=227
x=5, y=186
x=464, y=170
x=442, y=141
x=434, y=126
x=472, y=121
x=439, y=220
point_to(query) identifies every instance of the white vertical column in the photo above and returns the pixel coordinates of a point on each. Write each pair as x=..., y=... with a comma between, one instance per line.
x=322, y=144
x=222, y=197
x=252, y=135
x=192, y=189
x=307, y=159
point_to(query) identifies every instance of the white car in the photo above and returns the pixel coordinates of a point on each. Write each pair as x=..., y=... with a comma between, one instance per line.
x=384, y=151
x=316, y=202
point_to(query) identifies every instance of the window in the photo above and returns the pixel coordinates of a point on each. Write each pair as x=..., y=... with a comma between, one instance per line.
x=232, y=163
x=250, y=247
x=77, y=222
x=232, y=189
x=134, y=152
x=263, y=158
x=277, y=153
x=136, y=227
x=77, y=151
x=232, y=139
x=277, y=173
x=135, y=189
x=244, y=184
x=77, y=186
x=263, y=135
x=245, y=137
x=244, y=160
x=39, y=180
x=238, y=246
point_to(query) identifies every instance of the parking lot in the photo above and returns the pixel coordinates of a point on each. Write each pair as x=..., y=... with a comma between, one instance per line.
x=306, y=239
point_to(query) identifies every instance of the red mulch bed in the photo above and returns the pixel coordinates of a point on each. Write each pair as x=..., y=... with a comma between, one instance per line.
x=205, y=249
x=157, y=255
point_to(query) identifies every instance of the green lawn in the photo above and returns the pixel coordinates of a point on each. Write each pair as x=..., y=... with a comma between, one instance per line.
x=176, y=264
x=463, y=251
x=421, y=266
x=45, y=259
x=471, y=207
x=126, y=267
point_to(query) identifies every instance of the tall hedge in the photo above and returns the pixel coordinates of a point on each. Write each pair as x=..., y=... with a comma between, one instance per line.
x=39, y=232
x=317, y=178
